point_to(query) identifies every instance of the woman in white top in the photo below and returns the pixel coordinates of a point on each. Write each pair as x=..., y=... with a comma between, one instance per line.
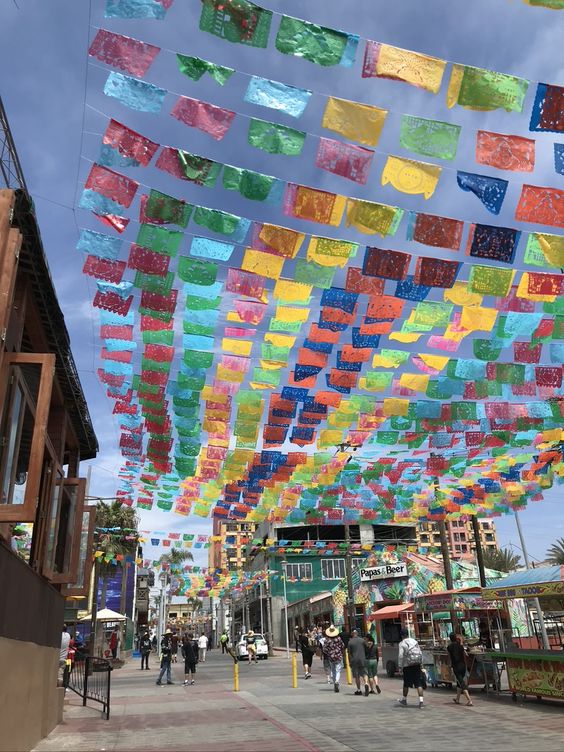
x=202, y=647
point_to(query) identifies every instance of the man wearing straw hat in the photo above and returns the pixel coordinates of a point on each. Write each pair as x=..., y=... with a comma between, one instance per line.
x=334, y=649
x=166, y=658
x=251, y=646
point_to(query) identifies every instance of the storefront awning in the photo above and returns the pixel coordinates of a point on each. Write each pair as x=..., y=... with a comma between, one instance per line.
x=390, y=612
x=538, y=582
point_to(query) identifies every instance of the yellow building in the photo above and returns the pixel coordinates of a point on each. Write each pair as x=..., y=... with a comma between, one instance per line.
x=229, y=552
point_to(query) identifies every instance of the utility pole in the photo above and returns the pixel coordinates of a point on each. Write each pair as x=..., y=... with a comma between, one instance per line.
x=350, y=607
x=441, y=525
x=269, y=617
x=542, y=625
x=479, y=552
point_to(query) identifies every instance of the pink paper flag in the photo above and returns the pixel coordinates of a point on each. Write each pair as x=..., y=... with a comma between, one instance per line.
x=112, y=185
x=215, y=121
x=124, y=53
x=349, y=161
x=129, y=143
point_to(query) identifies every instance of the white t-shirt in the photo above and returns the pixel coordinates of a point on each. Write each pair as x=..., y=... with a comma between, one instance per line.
x=202, y=641
x=65, y=642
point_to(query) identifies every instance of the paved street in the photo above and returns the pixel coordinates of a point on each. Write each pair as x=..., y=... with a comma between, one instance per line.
x=267, y=714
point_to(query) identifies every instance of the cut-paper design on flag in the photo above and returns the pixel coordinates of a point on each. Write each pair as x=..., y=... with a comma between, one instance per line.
x=274, y=138
x=548, y=109
x=112, y=185
x=387, y=264
x=544, y=250
x=433, y=272
x=223, y=223
x=314, y=205
x=480, y=89
x=155, y=9
x=149, y=262
x=277, y=96
x=121, y=52
x=129, y=144
x=196, y=67
x=559, y=158
x=330, y=252
x=275, y=239
x=349, y=161
x=490, y=191
x=408, y=176
x=370, y=217
x=431, y=138
x=505, y=152
x=496, y=243
x=99, y=245
x=158, y=208
x=133, y=93
x=441, y=232
x=186, y=166
x=215, y=121
x=489, y=280
x=357, y=122
x=237, y=21
x=542, y=206
x=318, y=44
x=211, y=249
x=253, y=185
x=385, y=61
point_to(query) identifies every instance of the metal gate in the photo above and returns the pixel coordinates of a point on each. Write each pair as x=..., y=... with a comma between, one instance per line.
x=90, y=679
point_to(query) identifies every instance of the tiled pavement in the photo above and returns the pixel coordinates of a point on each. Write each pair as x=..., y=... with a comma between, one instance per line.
x=267, y=714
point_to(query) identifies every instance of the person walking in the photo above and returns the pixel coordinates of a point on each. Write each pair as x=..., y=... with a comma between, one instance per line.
x=114, y=641
x=202, y=647
x=371, y=652
x=334, y=649
x=410, y=658
x=145, y=648
x=223, y=640
x=251, y=643
x=307, y=647
x=357, y=659
x=166, y=658
x=174, y=640
x=321, y=639
x=190, y=652
x=457, y=655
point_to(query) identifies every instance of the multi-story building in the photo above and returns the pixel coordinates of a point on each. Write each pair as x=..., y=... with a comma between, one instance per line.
x=229, y=552
x=45, y=432
x=460, y=537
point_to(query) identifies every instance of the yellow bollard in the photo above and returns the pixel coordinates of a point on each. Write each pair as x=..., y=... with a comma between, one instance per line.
x=236, y=677
x=348, y=668
x=294, y=672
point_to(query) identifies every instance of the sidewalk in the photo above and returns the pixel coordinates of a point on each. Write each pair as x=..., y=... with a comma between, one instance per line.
x=267, y=714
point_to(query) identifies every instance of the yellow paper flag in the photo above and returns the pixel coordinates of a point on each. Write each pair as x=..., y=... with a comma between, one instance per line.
x=414, y=381
x=478, y=319
x=281, y=239
x=392, y=406
x=261, y=263
x=460, y=295
x=291, y=315
x=357, y=122
x=279, y=340
x=414, y=68
x=409, y=176
x=236, y=346
x=291, y=292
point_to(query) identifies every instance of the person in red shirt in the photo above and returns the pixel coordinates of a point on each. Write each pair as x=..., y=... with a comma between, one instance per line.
x=114, y=642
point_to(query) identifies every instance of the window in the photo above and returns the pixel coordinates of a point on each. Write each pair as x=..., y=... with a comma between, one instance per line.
x=456, y=536
x=332, y=569
x=464, y=548
x=64, y=526
x=489, y=537
x=457, y=548
x=299, y=571
x=81, y=585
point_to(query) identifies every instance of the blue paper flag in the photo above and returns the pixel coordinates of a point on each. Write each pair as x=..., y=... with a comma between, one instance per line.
x=133, y=93
x=490, y=191
x=123, y=289
x=99, y=245
x=277, y=96
x=559, y=158
x=408, y=290
x=135, y=9
x=211, y=249
x=108, y=318
x=110, y=157
x=99, y=204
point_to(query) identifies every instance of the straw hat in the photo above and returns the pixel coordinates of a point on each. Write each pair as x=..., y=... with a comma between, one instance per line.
x=168, y=631
x=332, y=631
x=250, y=633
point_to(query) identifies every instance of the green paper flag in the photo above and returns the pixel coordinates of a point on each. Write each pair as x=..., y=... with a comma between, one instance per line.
x=236, y=21
x=490, y=280
x=216, y=221
x=195, y=68
x=317, y=44
x=196, y=303
x=162, y=208
x=252, y=185
x=198, y=169
x=154, y=283
x=198, y=359
x=274, y=138
x=432, y=138
x=159, y=239
x=196, y=272
x=159, y=337
x=486, y=349
x=480, y=89
x=310, y=273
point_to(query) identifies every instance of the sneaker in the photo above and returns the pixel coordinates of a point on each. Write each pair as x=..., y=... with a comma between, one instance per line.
x=378, y=689
x=170, y=682
x=421, y=706
x=336, y=687
x=159, y=684
x=372, y=692
x=366, y=690
x=358, y=693
x=402, y=701
x=329, y=680
x=186, y=682
x=192, y=682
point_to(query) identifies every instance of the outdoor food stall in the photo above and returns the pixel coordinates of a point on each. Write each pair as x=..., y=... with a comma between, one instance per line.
x=481, y=624
x=539, y=673
x=389, y=621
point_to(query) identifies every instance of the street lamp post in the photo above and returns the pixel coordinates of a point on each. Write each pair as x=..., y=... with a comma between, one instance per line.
x=284, y=567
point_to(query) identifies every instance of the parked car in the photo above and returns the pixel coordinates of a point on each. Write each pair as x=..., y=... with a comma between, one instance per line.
x=261, y=645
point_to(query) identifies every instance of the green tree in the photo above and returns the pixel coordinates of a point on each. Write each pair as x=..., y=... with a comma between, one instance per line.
x=502, y=559
x=555, y=554
x=123, y=518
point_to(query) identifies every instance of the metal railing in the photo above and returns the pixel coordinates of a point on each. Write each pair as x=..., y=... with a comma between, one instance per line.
x=90, y=679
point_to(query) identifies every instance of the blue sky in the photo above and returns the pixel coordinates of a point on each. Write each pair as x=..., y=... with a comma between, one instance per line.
x=45, y=80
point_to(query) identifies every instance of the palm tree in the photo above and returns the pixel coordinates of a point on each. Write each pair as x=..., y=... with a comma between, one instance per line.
x=502, y=559
x=173, y=560
x=123, y=518
x=555, y=554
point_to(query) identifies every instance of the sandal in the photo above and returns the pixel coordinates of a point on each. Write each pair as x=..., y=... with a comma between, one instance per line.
x=456, y=702
x=470, y=704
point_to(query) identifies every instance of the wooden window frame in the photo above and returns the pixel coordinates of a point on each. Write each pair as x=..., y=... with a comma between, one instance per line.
x=72, y=588
x=26, y=512
x=70, y=574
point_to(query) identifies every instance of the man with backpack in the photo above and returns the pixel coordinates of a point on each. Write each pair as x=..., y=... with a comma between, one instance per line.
x=410, y=659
